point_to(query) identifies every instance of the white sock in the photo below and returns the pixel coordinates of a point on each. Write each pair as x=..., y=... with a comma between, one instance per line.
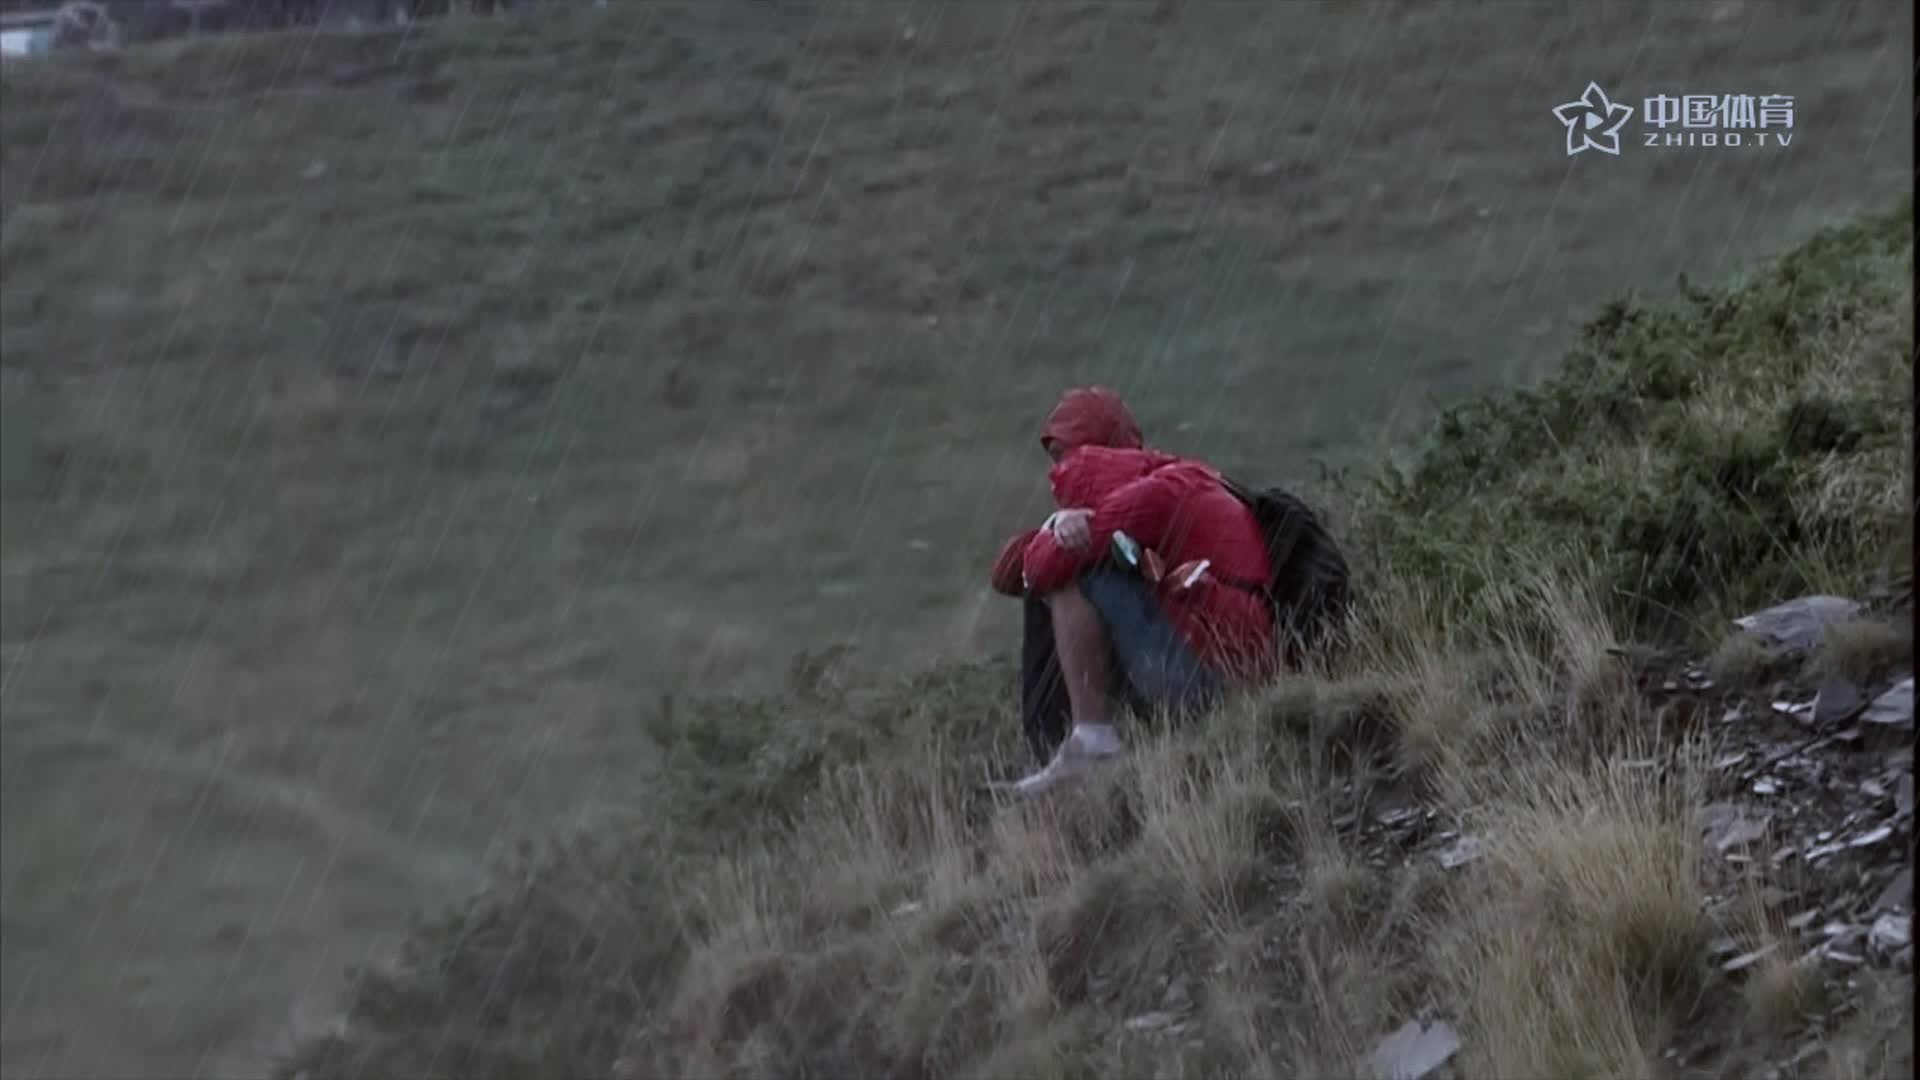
x=1099, y=738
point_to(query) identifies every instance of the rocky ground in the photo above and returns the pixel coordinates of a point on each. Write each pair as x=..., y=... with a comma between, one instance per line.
x=1807, y=836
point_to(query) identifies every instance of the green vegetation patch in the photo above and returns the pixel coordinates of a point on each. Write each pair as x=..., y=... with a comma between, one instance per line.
x=1718, y=449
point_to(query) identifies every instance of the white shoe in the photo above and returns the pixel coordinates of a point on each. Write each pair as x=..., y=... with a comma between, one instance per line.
x=1086, y=747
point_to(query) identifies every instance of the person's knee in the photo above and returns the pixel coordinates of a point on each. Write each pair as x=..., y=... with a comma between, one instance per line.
x=1077, y=623
x=1071, y=599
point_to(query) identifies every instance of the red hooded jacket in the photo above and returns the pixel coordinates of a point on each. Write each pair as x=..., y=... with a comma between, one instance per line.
x=1177, y=507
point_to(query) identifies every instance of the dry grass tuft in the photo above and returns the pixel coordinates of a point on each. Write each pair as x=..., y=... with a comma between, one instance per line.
x=1211, y=822
x=1783, y=992
x=1581, y=935
x=1117, y=937
x=1411, y=657
x=1863, y=650
x=1742, y=662
x=1340, y=891
x=1784, y=988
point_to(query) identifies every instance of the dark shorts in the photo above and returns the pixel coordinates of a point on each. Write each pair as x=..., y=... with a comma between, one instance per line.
x=1152, y=667
x=1159, y=666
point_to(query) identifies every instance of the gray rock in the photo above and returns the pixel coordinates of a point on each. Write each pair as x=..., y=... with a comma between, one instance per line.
x=1807, y=1053
x=1799, y=625
x=1747, y=960
x=1891, y=933
x=1414, y=1051
x=1839, y=934
x=1838, y=702
x=1815, y=854
x=1155, y=1022
x=1740, y=832
x=1871, y=837
x=1716, y=816
x=1898, y=895
x=1893, y=707
x=1463, y=851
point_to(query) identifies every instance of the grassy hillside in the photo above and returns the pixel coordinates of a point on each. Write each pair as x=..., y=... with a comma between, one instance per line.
x=399, y=428
x=823, y=888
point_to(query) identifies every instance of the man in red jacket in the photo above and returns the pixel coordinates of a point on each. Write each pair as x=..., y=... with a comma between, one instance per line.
x=1178, y=635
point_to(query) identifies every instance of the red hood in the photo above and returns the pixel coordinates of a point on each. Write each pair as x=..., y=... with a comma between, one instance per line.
x=1091, y=416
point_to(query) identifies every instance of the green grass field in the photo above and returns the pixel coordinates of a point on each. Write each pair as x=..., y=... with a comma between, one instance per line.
x=391, y=422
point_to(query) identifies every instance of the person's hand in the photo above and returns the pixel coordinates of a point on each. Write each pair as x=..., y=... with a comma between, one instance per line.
x=1071, y=529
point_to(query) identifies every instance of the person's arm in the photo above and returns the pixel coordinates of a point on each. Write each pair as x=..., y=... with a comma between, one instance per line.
x=1006, y=573
x=1142, y=509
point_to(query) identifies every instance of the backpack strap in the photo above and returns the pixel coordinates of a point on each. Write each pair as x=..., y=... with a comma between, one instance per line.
x=1280, y=552
x=1261, y=589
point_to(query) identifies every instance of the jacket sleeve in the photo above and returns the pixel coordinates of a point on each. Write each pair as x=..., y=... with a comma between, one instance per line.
x=1143, y=509
x=1006, y=574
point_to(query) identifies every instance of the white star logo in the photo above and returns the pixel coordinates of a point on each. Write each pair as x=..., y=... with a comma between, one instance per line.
x=1593, y=122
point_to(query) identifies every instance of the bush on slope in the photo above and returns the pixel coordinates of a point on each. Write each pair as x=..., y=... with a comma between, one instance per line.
x=1717, y=451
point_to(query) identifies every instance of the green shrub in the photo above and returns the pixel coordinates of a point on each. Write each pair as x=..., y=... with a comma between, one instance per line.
x=1719, y=448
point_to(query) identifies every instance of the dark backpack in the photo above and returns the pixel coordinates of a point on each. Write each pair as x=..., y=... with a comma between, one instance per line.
x=1308, y=587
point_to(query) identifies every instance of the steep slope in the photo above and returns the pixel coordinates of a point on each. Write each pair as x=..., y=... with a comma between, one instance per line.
x=394, y=424
x=1581, y=849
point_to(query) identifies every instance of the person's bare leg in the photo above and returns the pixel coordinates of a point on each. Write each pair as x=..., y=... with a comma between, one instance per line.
x=1080, y=642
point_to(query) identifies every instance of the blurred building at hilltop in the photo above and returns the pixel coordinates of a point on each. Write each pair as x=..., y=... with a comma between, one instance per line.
x=31, y=27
